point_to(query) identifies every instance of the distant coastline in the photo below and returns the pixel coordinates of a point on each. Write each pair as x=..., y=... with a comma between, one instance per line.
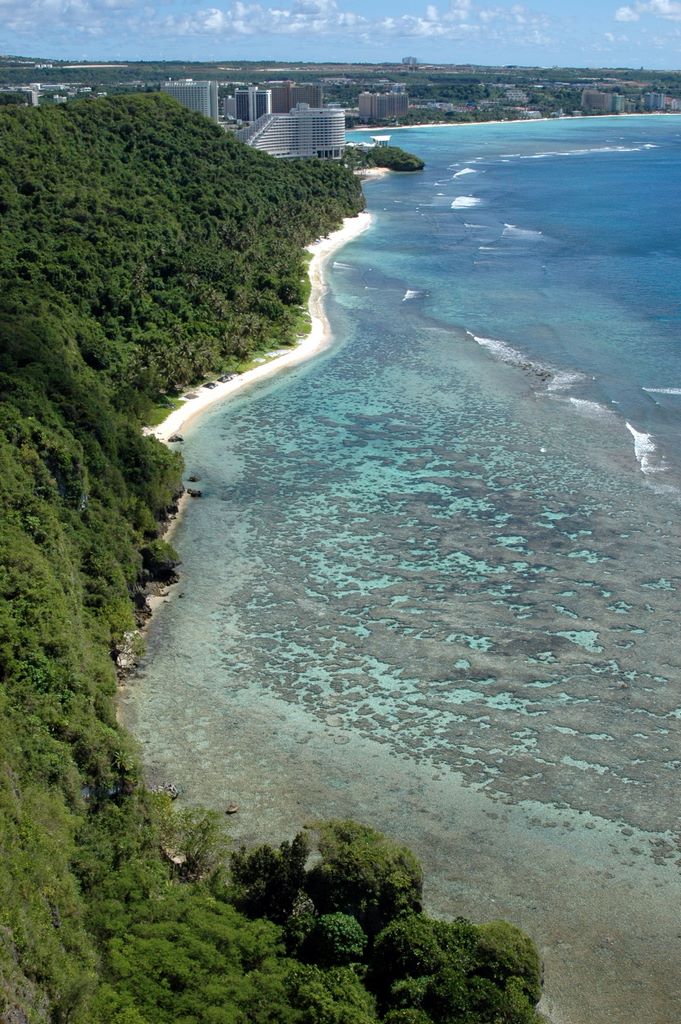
x=513, y=120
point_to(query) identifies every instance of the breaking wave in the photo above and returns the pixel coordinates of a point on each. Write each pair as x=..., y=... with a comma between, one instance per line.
x=512, y=231
x=645, y=450
x=463, y=202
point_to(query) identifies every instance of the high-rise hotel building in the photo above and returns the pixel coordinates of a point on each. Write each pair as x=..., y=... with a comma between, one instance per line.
x=375, y=106
x=287, y=95
x=303, y=132
x=252, y=103
x=199, y=96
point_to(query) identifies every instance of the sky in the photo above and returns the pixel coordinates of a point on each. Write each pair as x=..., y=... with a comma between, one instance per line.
x=576, y=33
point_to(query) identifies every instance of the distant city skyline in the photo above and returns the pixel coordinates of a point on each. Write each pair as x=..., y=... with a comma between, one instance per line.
x=642, y=33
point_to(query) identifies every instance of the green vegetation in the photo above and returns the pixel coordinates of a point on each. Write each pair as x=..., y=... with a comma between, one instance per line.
x=186, y=953
x=392, y=157
x=141, y=248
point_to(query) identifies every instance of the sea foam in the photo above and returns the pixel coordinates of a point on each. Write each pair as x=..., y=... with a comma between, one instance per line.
x=462, y=202
x=553, y=378
x=592, y=409
x=582, y=152
x=513, y=231
x=564, y=379
x=645, y=450
x=465, y=170
x=501, y=349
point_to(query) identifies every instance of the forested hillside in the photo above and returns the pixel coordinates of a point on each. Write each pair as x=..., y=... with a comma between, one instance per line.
x=139, y=249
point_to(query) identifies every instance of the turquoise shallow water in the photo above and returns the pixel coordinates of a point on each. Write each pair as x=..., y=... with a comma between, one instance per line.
x=433, y=580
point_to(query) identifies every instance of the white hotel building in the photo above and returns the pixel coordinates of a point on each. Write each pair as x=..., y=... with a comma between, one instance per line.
x=305, y=131
x=199, y=96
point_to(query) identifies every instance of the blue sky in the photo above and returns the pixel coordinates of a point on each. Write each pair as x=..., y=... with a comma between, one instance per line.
x=539, y=32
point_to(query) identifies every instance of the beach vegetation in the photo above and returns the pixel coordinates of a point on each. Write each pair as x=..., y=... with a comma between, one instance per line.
x=391, y=157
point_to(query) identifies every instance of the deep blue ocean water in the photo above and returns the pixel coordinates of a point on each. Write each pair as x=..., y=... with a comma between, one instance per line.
x=434, y=579
x=559, y=240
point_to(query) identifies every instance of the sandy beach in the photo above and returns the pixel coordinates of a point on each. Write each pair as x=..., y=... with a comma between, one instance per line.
x=373, y=172
x=317, y=338
x=509, y=120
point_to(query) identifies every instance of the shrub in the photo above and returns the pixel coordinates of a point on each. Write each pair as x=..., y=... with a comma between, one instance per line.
x=365, y=874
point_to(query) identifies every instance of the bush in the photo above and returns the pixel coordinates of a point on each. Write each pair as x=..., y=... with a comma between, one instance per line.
x=416, y=945
x=505, y=952
x=266, y=881
x=364, y=874
x=336, y=996
x=336, y=940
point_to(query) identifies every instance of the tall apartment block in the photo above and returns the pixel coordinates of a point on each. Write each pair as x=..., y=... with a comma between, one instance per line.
x=304, y=132
x=654, y=100
x=199, y=96
x=603, y=102
x=287, y=95
x=252, y=103
x=374, y=106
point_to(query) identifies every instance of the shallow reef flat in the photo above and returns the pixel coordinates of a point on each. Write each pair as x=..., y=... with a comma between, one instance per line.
x=432, y=581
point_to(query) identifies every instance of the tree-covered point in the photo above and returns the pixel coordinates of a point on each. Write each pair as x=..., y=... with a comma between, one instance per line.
x=255, y=944
x=391, y=157
x=175, y=246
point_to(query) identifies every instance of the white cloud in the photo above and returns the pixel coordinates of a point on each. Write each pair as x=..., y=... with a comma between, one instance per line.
x=626, y=14
x=458, y=20
x=670, y=10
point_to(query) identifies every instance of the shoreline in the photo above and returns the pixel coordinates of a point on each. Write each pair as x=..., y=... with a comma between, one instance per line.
x=317, y=339
x=511, y=120
x=395, y=794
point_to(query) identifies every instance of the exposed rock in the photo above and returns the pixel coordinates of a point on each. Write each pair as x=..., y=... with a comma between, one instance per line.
x=127, y=652
x=166, y=787
x=15, y=1015
x=232, y=808
x=193, y=492
x=177, y=859
x=175, y=438
x=160, y=561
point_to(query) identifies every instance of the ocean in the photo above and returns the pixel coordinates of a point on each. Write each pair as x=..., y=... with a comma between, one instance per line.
x=433, y=581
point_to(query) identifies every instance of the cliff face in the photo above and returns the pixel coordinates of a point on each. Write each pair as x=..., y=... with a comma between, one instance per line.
x=140, y=247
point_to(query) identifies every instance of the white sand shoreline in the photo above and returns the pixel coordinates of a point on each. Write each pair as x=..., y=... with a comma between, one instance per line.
x=317, y=339
x=513, y=120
